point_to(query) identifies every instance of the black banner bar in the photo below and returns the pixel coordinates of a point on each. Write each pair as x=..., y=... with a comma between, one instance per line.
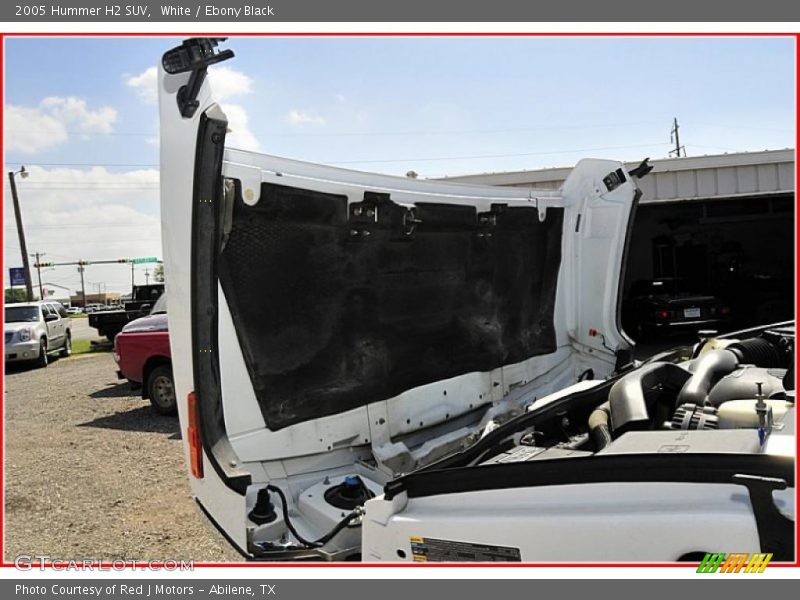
x=267, y=588
x=443, y=11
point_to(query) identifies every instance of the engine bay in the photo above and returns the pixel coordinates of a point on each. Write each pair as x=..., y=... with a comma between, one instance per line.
x=732, y=395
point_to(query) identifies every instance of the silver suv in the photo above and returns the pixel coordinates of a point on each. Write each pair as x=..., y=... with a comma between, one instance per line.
x=33, y=330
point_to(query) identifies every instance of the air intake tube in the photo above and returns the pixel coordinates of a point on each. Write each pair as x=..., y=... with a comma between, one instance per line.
x=709, y=368
x=760, y=352
x=599, y=429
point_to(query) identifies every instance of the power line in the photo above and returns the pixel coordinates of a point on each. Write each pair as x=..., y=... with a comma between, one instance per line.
x=90, y=226
x=108, y=183
x=61, y=256
x=76, y=164
x=84, y=242
x=126, y=186
x=603, y=125
x=74, y=182
x=477, y=156
x=735, y=127
x=416, y=159
x=719, y=148
x=87, y=188
x=454, y=131
x=84, y=133
x=416, y=132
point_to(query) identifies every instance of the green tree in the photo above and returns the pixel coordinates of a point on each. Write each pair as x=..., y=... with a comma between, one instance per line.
x=158, y=273
x=16, y=294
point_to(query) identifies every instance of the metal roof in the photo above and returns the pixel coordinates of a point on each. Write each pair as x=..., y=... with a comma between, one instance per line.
x=741, y=174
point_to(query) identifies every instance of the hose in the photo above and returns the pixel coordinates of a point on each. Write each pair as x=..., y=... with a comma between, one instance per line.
x=325, y=538
x=709, y=368
x=598, y=426
x=758, y=351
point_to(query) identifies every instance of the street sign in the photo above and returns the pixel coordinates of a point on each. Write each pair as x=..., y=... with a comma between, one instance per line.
x=142, y=260
x=16, y=275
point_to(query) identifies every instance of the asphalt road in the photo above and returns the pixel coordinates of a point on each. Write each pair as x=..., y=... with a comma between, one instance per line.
x=82, y=331
x=92, y=472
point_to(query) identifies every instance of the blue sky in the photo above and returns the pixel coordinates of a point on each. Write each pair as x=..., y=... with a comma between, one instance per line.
x=437, y=106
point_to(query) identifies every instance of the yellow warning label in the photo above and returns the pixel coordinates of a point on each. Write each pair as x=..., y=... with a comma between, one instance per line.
x=437, y=550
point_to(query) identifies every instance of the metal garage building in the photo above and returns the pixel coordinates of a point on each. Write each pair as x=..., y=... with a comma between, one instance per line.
x=724, y=223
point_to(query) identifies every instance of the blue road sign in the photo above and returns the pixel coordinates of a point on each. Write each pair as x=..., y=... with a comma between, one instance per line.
x=17, y=275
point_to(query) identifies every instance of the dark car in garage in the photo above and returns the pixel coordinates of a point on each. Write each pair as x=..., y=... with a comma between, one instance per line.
x=670, y=305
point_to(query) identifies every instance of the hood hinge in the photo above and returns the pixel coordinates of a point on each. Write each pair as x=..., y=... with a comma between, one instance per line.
x=540, y=206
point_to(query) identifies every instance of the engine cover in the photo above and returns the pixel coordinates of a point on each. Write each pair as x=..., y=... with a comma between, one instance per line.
x=743, y=441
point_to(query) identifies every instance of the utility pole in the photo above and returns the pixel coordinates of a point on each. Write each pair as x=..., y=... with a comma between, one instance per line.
x=133, y=284
x=147, y=276
x=100, y=291
x=83, y=285
x=675, y=137
x=38, y=266
x=21, y=232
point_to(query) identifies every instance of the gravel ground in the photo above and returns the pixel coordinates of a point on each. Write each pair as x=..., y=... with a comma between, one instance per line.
x=92, y=472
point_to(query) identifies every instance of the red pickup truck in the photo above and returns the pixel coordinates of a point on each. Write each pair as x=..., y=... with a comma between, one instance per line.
x=143, y=357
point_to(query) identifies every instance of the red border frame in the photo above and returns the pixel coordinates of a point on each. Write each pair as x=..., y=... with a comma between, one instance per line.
x=142, y=565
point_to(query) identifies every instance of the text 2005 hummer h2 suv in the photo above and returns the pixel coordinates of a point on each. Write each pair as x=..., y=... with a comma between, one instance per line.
x=387, y=369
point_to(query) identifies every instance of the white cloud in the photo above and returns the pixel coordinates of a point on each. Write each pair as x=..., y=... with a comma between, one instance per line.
x=225, y=82
x=301, y=117
x=28, y=130
x=240, y=135
x=145, y=85
x=92, y=214
x=74, y=112
x=229, y=83
x=31, y=129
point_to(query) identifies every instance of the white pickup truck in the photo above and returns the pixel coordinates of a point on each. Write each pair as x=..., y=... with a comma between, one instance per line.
x=387, y=369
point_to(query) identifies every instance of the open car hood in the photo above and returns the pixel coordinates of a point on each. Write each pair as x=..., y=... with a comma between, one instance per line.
x=347, y=316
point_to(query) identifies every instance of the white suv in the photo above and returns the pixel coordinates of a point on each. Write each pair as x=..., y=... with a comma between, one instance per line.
x=35, y=329
x=382, y=368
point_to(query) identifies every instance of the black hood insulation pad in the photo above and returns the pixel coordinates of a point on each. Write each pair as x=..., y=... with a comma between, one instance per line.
x=331, y=318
